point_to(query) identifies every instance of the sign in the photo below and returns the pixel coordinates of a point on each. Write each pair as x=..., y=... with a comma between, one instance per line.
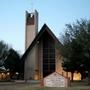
x=56, y=80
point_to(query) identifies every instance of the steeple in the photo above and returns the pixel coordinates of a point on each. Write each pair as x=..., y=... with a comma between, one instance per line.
x=31, y=27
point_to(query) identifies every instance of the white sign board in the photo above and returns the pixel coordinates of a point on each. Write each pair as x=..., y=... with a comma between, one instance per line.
x=55, y=80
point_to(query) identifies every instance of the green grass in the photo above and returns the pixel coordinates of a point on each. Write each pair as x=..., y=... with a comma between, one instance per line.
x=70, y=88
x=15, y=86
x=74, y=86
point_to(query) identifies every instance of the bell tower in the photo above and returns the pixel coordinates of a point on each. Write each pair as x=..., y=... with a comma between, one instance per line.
x=31, y=27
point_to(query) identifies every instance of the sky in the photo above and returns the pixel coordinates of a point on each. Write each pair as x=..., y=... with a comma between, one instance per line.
x=55, y=13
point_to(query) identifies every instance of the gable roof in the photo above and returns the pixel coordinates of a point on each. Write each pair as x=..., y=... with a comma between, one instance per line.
x=45, y=28
x=56, y=73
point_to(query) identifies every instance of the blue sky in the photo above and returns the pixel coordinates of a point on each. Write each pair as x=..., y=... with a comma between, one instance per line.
x=55, y=13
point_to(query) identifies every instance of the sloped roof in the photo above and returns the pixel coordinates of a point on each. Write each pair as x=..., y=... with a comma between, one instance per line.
x=57, y=74
x=45, y=28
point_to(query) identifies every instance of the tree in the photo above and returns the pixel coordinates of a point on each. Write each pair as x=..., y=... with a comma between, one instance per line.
x=10, y=59
x=76, y=43
x=12, y=62
x=3, y=52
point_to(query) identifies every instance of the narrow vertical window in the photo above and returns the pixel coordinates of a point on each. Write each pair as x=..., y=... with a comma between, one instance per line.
x=48, y=54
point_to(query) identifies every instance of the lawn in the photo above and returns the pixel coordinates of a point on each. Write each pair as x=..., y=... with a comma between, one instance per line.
x=70, y=88
x=15, y=86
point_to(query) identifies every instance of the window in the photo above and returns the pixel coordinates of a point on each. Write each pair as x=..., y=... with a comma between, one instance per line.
x=48, y=55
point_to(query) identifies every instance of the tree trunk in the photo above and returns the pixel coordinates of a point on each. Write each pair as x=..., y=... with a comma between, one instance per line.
x=72, y=73
x=67, y=74
x=89, y=77
x=82, y=77
x=12, y=74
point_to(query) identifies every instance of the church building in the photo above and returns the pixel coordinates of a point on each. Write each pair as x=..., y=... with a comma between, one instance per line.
x=42, y=55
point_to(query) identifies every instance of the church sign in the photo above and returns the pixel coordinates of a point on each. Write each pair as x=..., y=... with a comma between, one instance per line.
x=56, y=80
